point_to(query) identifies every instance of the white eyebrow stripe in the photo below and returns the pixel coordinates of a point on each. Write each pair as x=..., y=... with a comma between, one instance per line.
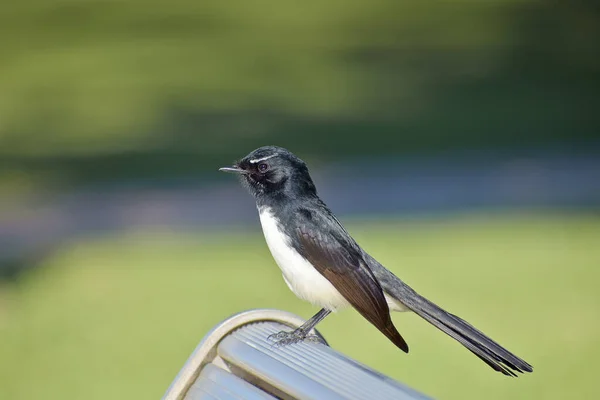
x=262, y=159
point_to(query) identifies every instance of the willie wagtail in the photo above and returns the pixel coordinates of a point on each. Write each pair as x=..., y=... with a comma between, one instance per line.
x=323, y=265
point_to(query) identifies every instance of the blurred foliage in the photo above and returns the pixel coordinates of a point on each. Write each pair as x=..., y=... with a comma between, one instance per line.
x=120, y=89
x=117, y=317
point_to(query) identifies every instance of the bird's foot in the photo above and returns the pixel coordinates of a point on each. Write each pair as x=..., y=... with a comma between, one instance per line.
x=284, y=338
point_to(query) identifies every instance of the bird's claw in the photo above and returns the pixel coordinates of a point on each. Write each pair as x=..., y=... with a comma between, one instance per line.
x=277, y=336
x=284, y=338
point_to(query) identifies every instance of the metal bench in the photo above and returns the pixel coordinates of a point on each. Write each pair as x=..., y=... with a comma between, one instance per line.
x=236, y=361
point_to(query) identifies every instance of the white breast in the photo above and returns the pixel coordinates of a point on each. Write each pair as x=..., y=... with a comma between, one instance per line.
x=395, y=305
x=301, y=277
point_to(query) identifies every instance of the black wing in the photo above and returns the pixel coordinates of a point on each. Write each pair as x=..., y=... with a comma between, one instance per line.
x=334, y=254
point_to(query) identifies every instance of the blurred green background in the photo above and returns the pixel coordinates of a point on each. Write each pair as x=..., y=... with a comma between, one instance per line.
x=458, y=140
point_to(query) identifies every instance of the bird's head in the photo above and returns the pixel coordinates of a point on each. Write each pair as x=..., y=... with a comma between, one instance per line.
x=272, y=171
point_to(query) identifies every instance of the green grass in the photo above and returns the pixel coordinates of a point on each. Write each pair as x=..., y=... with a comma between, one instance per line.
x=116, y=317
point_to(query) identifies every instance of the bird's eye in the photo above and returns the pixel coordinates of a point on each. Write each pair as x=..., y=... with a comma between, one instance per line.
x=263, y=167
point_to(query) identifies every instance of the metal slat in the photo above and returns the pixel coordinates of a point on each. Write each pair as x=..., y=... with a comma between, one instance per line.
x=225, y=386
x=302, y=365
x=205, y=352
x=235, y=361
x=304, y=370
x=325, y=366
x=201, y=393
x=204, y=388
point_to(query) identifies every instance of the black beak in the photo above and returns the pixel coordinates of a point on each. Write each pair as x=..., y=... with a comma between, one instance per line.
x=233, y=170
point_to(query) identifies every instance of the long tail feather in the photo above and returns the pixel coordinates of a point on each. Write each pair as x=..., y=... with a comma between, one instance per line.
x=477, y=342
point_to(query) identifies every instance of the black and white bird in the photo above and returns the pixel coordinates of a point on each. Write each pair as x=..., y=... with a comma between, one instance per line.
x=322, y=264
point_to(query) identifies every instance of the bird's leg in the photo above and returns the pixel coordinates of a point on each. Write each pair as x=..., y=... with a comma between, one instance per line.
x=301, y=333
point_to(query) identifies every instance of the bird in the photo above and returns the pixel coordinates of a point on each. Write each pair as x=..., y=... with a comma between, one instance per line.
x=322, y=264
